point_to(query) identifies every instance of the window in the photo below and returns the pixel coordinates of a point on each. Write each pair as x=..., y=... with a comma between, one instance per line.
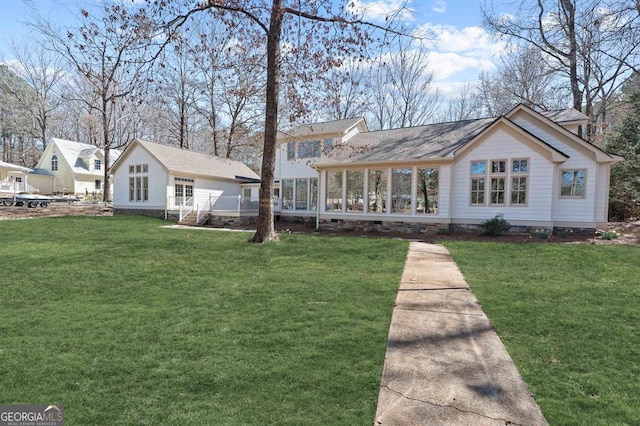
x=519, y=183
x=497, y=190
x=291, y=151
x=477, y=191
x=328, y=143
x=520, y=166
x=401, y=191
x=478, y=183
x=97, y=165
x=355, y=190
x=145, y=188
x=572, y=184
x=427, y=194
x=246, y=193
x=132, y=188
x=98, y=184
x=287, y=194
x=478, y=167
x=377, y=191
x=307, y=149
x=313, y=194
x=139, y=185
x=519, y=190
x=54, y=163
x=334, y=191
x=499, y=166
x=302, y=193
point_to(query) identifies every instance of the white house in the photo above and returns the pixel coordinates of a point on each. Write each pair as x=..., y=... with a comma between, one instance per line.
x=77, y=168
x=15, y=179
x=164, y=181
x=531, y=167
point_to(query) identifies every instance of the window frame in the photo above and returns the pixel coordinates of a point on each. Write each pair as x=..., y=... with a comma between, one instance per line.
x=573, y=185
x=54, y=163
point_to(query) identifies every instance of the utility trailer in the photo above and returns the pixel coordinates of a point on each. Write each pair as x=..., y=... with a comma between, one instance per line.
x=30, y=200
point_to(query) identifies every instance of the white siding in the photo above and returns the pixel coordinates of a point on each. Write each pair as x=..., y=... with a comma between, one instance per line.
x=503, y=146
x=602, y=193
x=157, y=182
x=569, y=210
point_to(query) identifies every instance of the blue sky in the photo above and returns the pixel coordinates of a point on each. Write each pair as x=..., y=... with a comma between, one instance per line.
x=463, y=50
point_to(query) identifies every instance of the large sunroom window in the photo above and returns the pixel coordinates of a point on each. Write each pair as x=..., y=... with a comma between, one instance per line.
x=377, y=191
x=355, y=190
x=334, y=191
x=401, y=191
x=427, y=195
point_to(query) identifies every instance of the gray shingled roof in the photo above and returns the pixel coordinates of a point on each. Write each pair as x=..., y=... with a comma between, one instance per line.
x=337, y=126
x=413, y=143
x=564, y=115
x=190, y=162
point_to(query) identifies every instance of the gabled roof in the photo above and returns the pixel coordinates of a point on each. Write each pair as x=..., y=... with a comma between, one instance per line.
x=598, y=154
x=433, y=141
x=324, y=128
x=444, y=141
x=567, y=115
x=14, y=167
x=190, y=162
x=72, y=152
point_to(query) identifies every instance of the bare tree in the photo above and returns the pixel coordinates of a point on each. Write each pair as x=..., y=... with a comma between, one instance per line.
x=107, y=51
x=42, y=71
x=588, y=42
x=402, y=93
x=317, y=32
x=467, y=105
x=522, y=77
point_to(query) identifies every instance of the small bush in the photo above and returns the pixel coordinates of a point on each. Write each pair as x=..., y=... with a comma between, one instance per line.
x=495, y=227
x=610, y=235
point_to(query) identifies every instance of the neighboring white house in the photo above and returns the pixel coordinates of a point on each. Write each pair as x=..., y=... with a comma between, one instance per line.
x=531, y=167
x=77, y=168
x=15, y=179
x=160, y=180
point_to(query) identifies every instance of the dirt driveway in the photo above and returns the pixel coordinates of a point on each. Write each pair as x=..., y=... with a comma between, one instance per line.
x=55, y=209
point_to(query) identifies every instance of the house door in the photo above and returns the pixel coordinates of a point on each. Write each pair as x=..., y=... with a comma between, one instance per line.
x=183, y=194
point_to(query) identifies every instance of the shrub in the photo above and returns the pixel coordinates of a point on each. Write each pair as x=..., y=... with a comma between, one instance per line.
x=495, y=227
x=610, y=235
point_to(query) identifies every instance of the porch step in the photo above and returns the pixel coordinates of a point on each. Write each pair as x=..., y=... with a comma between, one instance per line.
x=192, y=220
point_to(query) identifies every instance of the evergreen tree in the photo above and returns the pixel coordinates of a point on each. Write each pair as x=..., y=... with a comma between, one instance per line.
x=625, y=141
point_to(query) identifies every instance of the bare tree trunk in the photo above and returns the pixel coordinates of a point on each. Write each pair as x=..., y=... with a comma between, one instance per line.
x=265, y=228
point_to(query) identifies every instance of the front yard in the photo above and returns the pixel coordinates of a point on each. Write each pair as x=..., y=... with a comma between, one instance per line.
x=123, y=322
x=569, y=315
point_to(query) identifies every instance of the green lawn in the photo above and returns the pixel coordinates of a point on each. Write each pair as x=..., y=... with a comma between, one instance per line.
x=124, y=322
x=570, y=318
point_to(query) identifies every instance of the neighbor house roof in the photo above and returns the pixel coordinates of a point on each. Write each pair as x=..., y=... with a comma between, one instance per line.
x=327, y=127
x=191, y=162
x=74, y=151
x=14, y=167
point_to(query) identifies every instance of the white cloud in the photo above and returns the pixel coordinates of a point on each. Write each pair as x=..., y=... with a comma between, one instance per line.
x=382, y=10
x=440, y=6
x=460, y=55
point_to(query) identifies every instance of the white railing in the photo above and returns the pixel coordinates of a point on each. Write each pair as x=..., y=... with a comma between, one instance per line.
x=10, y=186
x=236, y=204
x=185, y=208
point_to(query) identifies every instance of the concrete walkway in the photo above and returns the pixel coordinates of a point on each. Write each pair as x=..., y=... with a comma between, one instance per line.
x=445, y=365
